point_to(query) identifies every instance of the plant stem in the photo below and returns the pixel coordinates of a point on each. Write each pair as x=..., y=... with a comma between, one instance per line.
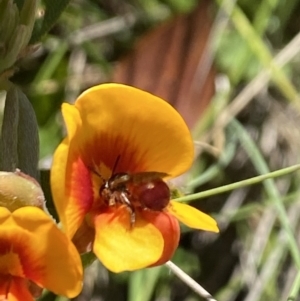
x=240, y=184
x=196, y=287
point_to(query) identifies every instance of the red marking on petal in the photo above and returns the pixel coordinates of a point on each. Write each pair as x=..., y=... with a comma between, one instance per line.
x=12, y=253
x=79, y=195
x=105, y=149
x=80, y=184
x=14, y=289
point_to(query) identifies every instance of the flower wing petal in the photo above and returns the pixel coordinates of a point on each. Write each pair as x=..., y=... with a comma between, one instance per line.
x=192, y=217
x=147, y=132
x=121, y=248
x=48, y=257
x=70, y=180
x=71, y=187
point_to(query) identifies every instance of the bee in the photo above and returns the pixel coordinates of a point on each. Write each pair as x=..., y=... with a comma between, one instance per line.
x=145, y=190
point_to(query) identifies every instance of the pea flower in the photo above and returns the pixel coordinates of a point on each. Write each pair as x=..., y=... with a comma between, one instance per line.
x=114, y=133
x=35, y=254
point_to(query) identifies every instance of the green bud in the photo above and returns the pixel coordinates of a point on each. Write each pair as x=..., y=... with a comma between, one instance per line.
x=15, y=30
x=15, y=46
x=8, y=20
x=19, y=190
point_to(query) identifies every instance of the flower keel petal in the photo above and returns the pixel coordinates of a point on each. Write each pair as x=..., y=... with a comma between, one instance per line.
x=169, y=228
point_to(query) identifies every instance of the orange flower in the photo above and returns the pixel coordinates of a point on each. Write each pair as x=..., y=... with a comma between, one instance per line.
x=35, y=254
x=113, y=128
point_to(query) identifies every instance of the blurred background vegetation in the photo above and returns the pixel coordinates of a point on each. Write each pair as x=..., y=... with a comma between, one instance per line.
x=232, y=69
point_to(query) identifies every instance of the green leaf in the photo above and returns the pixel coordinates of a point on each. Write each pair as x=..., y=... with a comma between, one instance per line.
x=9, y=133
x=19, y=3
x=142, y=283
x=19, y=143
x=87, y=259
x=53, y=10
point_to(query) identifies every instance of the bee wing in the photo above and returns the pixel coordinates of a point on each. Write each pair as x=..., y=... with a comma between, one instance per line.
x=147, y=176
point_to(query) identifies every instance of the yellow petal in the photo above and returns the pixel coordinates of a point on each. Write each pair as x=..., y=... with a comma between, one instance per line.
x=4, y=214
x=192, y=217
x=48, y=258
x=72, y=119
x=58, y=179
x=121, y=248
x=147, y=132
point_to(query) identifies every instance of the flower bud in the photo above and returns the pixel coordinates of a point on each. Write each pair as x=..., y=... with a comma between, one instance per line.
x=19, y=190
x=16, y=27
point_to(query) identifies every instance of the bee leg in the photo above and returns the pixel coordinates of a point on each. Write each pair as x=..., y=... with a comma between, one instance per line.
x=130, y=208
x=112, y=202
x=132, y=217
